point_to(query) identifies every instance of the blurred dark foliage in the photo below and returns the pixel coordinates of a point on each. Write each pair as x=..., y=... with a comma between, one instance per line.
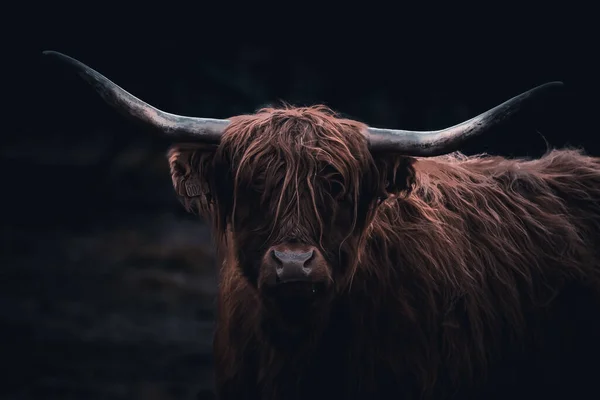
x=107, y=285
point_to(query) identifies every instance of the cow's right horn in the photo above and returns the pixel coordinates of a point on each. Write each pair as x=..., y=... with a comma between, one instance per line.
x=176, y=127
x=433, y=143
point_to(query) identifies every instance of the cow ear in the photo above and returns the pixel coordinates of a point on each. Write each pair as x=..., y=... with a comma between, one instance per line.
x=396, y=174
x=191, y=169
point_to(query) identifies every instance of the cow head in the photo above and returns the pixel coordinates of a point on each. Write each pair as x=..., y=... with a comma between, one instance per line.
x=291, y=191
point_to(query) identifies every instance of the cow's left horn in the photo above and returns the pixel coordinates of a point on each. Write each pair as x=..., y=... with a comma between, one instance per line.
x=176, y=127
x=432, y=143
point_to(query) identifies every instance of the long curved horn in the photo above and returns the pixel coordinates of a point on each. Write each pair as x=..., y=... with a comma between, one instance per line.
x=176, y=127
x=432, y=143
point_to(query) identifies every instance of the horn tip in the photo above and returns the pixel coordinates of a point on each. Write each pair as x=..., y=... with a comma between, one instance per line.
x=51, y=53
x=56, y=54
x=556, y=84
x=60, y=57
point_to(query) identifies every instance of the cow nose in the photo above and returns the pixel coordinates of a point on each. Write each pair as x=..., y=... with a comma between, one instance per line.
x=293, y=266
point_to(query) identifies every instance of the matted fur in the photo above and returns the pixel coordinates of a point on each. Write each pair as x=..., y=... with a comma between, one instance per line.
x=452, y=274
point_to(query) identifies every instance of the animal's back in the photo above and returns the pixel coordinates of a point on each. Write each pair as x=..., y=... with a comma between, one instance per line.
x=522, y=210
x=512, y=247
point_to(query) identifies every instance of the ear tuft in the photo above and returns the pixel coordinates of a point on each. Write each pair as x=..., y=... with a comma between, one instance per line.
x=190, y=167
x=397, y=174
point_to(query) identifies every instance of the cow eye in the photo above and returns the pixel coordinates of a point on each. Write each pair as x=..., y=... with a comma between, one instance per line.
x=337, y=189
x=335, y=184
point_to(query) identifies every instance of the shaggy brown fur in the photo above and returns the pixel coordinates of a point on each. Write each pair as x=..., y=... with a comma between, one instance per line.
x=454, y=276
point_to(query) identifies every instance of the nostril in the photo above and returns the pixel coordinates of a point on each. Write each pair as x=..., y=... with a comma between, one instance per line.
x=307, y=263
x=311, y=256
x=275, y=255
x=304, y=257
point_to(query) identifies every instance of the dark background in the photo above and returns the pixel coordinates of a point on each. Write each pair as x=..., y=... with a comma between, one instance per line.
x=106, y=285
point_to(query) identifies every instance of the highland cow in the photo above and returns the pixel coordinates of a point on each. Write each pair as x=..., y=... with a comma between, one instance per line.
x=363, y=263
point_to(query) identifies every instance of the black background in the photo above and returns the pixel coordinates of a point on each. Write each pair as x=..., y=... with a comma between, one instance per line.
x=106, y=284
